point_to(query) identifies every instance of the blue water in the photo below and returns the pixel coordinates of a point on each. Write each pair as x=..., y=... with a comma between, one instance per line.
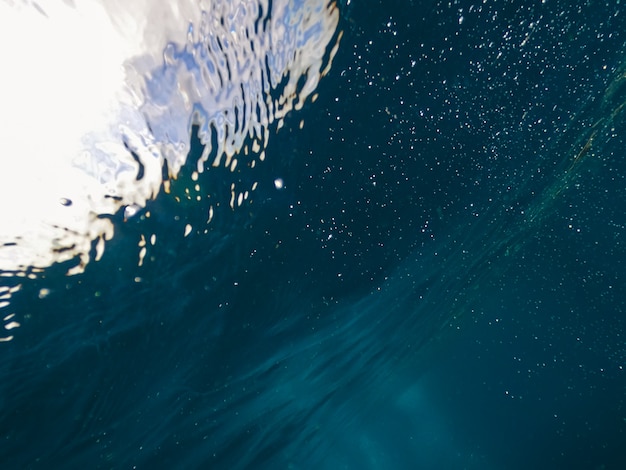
x=439, y=283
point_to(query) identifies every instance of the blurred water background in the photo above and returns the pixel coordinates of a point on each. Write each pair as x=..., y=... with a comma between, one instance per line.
x=429, y=274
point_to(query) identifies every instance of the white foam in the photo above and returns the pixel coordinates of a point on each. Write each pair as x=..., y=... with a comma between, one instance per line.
x=86, y=86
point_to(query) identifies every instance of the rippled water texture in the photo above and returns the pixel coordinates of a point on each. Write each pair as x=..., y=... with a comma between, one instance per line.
x=114, y=90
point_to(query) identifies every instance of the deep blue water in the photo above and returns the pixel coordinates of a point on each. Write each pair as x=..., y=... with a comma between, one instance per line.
x=439, y=284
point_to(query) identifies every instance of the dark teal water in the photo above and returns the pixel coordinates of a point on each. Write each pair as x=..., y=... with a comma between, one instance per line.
x=439, y=284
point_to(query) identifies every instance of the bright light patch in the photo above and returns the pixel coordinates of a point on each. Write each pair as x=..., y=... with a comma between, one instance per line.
x=96, y=96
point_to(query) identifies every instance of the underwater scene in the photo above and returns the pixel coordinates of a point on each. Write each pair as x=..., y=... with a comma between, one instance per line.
x=313, y=234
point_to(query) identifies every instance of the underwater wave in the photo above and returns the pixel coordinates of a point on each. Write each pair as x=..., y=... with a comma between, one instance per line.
x=430, y=277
